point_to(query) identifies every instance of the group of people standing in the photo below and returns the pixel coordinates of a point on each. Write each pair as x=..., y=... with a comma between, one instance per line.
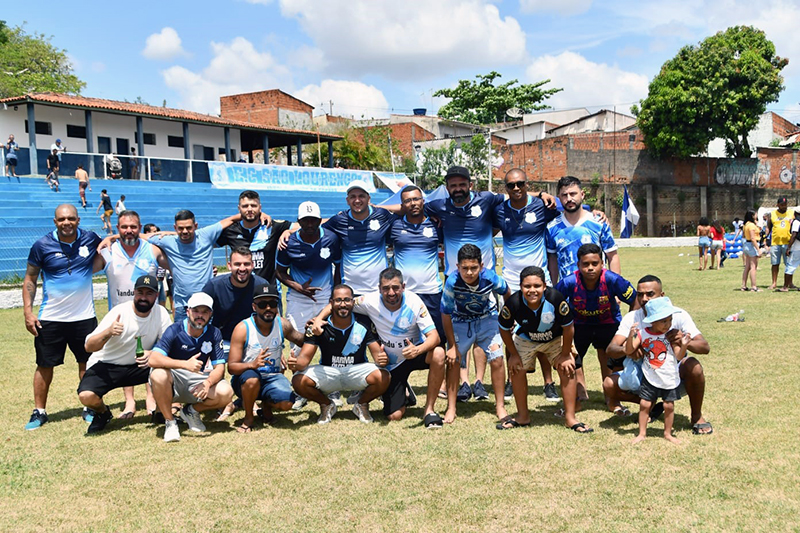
x=554, y=299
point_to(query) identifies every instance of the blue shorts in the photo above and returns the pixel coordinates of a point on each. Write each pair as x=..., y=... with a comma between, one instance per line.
x=275, y=388
x=483, y=332
x=704, y=242
x=776, y=251
x=749, y=250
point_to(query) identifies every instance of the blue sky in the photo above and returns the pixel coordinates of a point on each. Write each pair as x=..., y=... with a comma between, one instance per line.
x=375, y=57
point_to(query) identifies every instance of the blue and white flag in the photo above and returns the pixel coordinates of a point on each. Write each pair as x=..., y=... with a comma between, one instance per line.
x=630, y=216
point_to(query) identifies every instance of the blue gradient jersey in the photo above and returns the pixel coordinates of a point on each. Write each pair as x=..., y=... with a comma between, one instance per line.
x=122, y=270
x=177, y=343
x=416, y=254
x=66, y=276
x=564, y=239
x=363, y=244
x=464, y=303
x=191, y=264
x=468, y=224
x=523, y=237
x=311, y=261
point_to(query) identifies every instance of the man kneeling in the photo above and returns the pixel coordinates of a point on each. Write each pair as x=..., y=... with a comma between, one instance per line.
x=256, y=359
x=343, y=364
x=114, y=363
x=178, y=361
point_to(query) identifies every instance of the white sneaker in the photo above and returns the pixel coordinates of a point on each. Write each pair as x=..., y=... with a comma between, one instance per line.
x=299, y=403
x=327, y=413
x=354, y=397
x=361, y=410
x=192, y=419
x=171, y=432
x=336, y=398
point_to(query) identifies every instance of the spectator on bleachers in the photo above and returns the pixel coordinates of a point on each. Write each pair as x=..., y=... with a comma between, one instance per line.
x=83, y=183
x=105, y=205
x=11, y=156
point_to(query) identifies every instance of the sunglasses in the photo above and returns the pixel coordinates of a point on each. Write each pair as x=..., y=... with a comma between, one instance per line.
x=515, y=185
x=262, y=304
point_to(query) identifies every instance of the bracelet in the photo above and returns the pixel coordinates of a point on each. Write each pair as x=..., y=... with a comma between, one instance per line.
x=540, y=194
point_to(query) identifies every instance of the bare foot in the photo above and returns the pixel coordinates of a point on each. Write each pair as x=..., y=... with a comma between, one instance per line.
x=672, y=439
x=638, y=439
x=128, y=412
x=501, y=412
x=772, y=287
x=449, y=416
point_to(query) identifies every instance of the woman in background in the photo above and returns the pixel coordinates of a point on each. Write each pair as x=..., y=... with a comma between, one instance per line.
x=703, y=242
x=717, y=244
x=750, y=249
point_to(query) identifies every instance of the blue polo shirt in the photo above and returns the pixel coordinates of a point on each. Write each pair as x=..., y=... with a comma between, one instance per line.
x=311, y=261
x=176, y=343
x=66, y=269
x=416, y=254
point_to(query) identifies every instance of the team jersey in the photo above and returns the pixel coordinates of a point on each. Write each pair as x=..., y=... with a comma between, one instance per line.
x=599, y=305
x=255, y=341
x=564, y=239
x=411, y=322
x=465, y=303
x=343, y=347
x=122, y=270
x=191, y=264
x=537, y=325
x=659, y=366
x=363, y=244
x=231, y=304
x=523, y=237
x=261, y=240
x=416, y=254
x=781, y=224
x=313, y=262
x=176, y=343
x=67, y=294
x=121, y=349
x=468, y=224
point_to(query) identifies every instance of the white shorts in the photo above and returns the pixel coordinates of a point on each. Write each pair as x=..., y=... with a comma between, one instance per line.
x=792, y=263
x=300, y=310
x=349, y=378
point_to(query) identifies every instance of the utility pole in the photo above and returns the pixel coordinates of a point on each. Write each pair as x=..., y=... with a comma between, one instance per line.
x=330, y=103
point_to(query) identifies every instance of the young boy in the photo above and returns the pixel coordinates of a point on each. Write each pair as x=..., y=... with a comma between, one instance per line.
x=592, y=293
x=660, y=367
x=469, y=316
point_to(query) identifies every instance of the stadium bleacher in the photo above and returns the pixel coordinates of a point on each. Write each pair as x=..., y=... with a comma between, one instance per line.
x=27, y=206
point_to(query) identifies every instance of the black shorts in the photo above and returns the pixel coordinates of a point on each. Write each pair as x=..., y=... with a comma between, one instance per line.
x=433, y=303
x=11, y=161
x=599, y=336
x=54, y=337
x=101, y=378
x=651, y=393
x=395, y=396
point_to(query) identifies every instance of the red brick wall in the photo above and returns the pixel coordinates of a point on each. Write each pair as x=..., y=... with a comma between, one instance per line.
x=542, y=160
x=406, y=135
x=782, y=127
x=261, y=107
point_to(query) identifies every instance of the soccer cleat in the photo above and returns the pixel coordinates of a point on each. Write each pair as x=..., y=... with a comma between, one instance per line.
x=361, y=410
x=550, y=393
x=171, y=431
x=479, y=391
x=99, y=421
x=38, y=419
x=464, y=392
x=192, y=419
x=327, y=413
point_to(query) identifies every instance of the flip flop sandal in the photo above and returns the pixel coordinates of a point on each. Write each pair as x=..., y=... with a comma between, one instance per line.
x=243, y=428
x=697, y=429
x=268, y=421
x=622, y=411
x=509, y=423
x=442, y=394
x=433, y=421
x=127, y=415
x=560, y=413
x=581, y=428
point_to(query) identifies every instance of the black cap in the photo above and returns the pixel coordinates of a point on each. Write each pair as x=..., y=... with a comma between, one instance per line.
x=456, y=171
x=783, y=200
x=148, y=282
x=267, y=290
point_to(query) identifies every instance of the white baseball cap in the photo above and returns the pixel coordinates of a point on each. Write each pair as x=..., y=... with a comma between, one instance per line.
x=358, y=184
x=200, y=298
x=308, y=209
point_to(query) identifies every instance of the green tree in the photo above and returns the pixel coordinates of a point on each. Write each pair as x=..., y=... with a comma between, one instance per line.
x=483, y=102
x=717, y=89
x=361, y=149
x=30, y=63
x=474, y=155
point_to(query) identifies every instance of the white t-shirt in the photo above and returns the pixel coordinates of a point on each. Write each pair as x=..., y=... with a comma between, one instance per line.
x=680, y=321
x=121, y=349
x=411, y=321
x=660, y=367
x=795, y=228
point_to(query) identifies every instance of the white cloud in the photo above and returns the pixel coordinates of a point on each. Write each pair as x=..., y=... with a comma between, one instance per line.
x=235, y=67
x=350, y=99
x=587, y=84
x=563, y=7
x=308, y=58
x=164, y=46
x=399, y=39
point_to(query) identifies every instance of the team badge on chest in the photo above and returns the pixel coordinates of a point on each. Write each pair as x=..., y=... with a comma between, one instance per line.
x=427, y=232
x=476, y=211
x=530, y=218
x=325, y=252
x=83, y=251
x=374, y=225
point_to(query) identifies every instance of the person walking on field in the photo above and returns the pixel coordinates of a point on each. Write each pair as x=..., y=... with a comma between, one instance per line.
x=751, y=250
x=703, y=242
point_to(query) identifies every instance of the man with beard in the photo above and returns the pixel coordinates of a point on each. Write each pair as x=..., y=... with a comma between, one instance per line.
x=126, y=260
x=127, y=326
x=256, y=359
x=258, y=232
x=178, y=361
x=66, y=258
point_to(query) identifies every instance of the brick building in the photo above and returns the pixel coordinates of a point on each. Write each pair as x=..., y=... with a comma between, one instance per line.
x=272, y=108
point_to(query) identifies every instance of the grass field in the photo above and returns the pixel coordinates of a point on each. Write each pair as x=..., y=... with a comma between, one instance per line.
x=347, y=476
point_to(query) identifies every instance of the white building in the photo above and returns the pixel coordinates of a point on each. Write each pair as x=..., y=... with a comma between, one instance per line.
x=771, y=126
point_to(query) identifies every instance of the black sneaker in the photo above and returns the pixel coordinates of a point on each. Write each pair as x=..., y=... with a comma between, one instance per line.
x=550, y=393
x=508, y=392
x=99, y=421
x=479, y=391
x=464, y=392
x=411, y=397
x=38, y=419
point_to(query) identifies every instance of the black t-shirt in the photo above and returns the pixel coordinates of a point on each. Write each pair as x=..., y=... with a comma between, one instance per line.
x=542, y=325
x=52, y=160
x=341, y=348
x=231, y=304
x=106, y=199
x=264, y=257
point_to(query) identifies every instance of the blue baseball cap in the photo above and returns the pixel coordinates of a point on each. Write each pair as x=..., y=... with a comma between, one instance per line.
x=658, y=309
x=58, y=140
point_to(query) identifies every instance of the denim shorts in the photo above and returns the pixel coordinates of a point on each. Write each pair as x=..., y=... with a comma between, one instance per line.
x=776, y=251
x=274, y=388
x=483, y=333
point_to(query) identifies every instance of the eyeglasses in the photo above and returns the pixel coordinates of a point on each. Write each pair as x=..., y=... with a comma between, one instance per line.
x=342, y=300
x=263, y=304
x=515, y=185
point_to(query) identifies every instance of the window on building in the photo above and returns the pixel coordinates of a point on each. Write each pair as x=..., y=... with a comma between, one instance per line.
x=42, y=128
x=149, y=138
x=174, y=141
x=104, y=145
x=78, y=132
